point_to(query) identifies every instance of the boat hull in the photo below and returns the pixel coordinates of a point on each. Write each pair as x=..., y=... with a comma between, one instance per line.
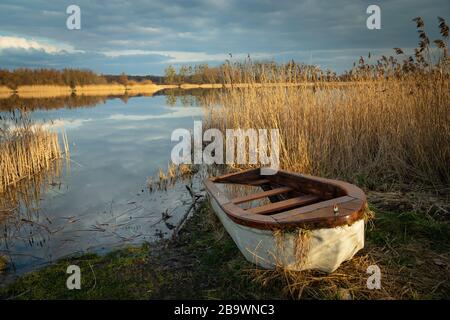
x=319, y=249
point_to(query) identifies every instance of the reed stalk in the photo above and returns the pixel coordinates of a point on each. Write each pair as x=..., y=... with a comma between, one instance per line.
x=25, y=150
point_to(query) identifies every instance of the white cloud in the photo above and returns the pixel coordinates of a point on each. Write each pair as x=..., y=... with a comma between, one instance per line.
x=51, y=125
x=121, y=53
x=150, y=30
x=7, y=42
x=185, y=56
x=179, y=112
x=65, y=123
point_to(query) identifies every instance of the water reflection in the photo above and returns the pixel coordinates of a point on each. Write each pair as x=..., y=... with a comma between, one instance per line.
x=173, y=97
x=191, y=97
x=25, y=196
x=70, y=101
x=103, y=202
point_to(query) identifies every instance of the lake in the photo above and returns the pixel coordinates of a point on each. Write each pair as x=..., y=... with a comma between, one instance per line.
x=99, y=200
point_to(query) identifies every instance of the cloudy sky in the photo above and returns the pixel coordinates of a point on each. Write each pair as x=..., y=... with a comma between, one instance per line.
x=143, y=37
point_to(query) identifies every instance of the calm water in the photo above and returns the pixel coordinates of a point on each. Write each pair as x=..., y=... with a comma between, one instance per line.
x=103, y=201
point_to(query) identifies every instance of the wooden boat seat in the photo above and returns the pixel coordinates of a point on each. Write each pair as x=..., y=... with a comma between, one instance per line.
x=285, y=204
x=256, y=196
x=296, y=200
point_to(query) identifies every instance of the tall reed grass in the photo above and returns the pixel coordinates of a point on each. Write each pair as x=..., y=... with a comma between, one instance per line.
x=25, y=150
x=23, y=199
x=375, y=133
x=143, y=88
x=5, y=92
x=390, y=126
x=43, y=91
x=98, y=89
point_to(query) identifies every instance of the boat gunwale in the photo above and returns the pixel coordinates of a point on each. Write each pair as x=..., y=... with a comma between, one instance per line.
x=351, y=203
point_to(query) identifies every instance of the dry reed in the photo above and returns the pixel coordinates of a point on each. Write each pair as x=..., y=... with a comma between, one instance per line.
x=374, y=134
x=43, y=91
x=5, y=92
x=23, y=199
x=175, y=173
x=26, y=150
x=148, y=89
x=99, y=89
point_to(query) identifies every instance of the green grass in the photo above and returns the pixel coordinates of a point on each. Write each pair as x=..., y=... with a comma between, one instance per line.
x=407, y=227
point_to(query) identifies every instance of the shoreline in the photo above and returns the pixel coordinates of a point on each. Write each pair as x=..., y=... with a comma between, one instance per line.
x=204, y=263
x=52, y=91
x=177, y=268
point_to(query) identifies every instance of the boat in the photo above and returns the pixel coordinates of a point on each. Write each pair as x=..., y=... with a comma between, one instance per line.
x=294, y=221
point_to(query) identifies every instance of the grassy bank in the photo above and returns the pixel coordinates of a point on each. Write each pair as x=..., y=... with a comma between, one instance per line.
x=203, y=262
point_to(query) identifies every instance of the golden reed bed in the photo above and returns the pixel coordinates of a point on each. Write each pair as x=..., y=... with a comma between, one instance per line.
x=5, y=92
x=26, y=151
x=376, y=133
x=43, y=91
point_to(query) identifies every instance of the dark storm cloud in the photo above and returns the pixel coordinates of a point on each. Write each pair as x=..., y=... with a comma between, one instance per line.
x=144, y=36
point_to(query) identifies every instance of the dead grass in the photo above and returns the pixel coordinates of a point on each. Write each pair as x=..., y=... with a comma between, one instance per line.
x=99, y=89
x=5, y=92
x=348, y=282
x=428, y=203
x=4, y=89
x=168, y=178
x=374, y=134
x=43, y=91
x=23, y=199
x=138, y=88
x=26, y=150
x=203, y=86
x=54, y=91
x=411, y=270
x=388, y=128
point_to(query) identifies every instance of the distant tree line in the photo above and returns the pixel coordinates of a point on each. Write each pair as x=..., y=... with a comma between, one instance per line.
x=67, y=77
x=134, y=79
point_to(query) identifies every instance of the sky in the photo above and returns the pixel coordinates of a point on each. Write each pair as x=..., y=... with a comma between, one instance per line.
x=144, y=37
